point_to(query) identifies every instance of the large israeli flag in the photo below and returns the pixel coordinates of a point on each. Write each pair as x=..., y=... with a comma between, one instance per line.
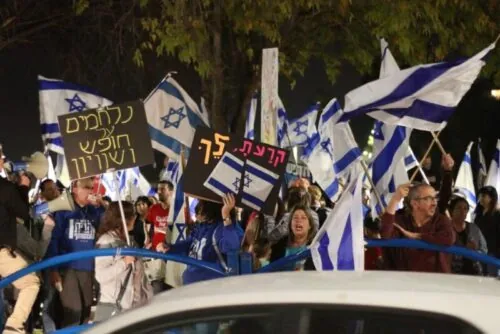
x=226, y=176
x=493, y=178
x=339, y=244
x=173, y=117
x=421, y=97
x=302, y=131
x=282, y=124
x=57, y=98
x=250, y=122
x=464, y=184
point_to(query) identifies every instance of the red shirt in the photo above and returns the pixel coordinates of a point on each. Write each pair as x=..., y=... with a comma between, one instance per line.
x=158, y=216
x=372, y=256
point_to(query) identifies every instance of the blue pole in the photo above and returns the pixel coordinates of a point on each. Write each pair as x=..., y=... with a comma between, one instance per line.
x=392, y=243
x=55, y=261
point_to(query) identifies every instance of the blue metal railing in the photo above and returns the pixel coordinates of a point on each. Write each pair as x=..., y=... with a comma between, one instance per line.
x=392, y=243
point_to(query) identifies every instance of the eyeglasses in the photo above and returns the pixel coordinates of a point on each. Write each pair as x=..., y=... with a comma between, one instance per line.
x=428, y=198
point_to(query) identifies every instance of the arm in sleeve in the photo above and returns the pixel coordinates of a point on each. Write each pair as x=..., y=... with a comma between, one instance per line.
x=387, y=230
x=108, y=268
x=18, y=202
x=444, y=234
x=25, y=243
x=57, y=234
x=445, y=191
x=228, y=240
x=181, y=247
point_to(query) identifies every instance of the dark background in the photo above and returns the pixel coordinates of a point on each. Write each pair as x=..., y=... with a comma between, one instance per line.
x=478, y=115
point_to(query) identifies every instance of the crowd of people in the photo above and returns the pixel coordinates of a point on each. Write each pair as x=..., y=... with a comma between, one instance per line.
x=64, y=295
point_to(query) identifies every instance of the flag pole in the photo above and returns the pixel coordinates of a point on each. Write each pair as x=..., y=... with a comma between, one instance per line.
x=424, y=177
x=120, y=205
x=435, y=136
x=375, y=191
x=168, y=75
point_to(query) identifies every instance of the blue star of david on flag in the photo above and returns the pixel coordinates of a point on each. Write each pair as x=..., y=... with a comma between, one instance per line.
x=180, y=228
x=326, y=145
x=247, y=180
x=298, y=128
x=76, y=104
x=173, y=118
x=236, y=184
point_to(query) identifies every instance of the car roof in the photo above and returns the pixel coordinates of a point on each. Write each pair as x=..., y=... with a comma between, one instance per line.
x=470, y=298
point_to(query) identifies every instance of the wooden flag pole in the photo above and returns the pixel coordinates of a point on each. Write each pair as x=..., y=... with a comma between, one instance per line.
x=434, y=140
x=377, y=195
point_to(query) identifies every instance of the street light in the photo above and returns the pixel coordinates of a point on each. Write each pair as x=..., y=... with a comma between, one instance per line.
x=495, y=93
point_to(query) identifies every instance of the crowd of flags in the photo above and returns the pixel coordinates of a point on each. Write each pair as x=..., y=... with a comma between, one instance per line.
x=421, y=97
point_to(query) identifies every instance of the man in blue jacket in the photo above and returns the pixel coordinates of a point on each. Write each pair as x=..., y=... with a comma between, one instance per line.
x=75, y=231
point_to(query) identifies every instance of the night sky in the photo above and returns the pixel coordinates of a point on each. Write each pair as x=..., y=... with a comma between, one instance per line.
x=477, y=116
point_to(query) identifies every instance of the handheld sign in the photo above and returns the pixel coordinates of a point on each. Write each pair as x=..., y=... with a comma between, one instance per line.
x=97, y=140
x=207, y=150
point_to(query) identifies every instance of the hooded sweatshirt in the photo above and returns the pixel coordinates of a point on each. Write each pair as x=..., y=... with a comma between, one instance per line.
x=199, y=245
x=75, y=231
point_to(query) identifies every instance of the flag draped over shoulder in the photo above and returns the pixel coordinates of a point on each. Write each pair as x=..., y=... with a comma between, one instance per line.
x=421, y=97
x=172, y=117
x=57, y=98
x=339, y=244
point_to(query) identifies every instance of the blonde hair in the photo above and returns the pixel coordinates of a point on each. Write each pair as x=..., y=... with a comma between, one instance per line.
x=315, y=193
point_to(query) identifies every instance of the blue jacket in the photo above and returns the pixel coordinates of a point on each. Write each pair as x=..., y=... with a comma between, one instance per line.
x=75, y=231
x=199, y=246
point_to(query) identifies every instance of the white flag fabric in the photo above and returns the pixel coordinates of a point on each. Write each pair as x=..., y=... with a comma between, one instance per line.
x=410, y=160
x=57, y=98
x=226, y=176
x=464, y=183
x=493, y=178
x=339, y=244
x=51, y=174
x=421, y=97
x=172, y=117
x=170, y=172
x=62, y=173
x=257, y=184
x=131, y=184
x=483, y=171
x=250, y=122
x=282, y=124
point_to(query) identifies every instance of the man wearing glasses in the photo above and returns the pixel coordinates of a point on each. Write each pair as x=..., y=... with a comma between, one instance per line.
x=75, y=231
x=424, y=220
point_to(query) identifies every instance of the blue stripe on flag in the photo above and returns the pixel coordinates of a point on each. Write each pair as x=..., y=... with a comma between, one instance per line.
x=326, y=262
x=330, y=112
x=347, y=159
x=250, y=134
x=260, y=174
x=467, y=158
x=496, y=156
x=412, y=84
x=392, y=186
x=345, y=259
x=49, y=128
x=253, y=199
x=233, y=164
x=220, y=186
x=162, y=139
x=193, y=117
x=423, y=110
x=179, y=198
x=55, y=141
x=386, y=156
x=332, y=189
x=60, y=85
x=469, y=195
x=409, y=160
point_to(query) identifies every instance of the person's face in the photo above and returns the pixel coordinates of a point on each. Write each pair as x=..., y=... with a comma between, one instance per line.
x=426, y=202
x=485, y=200
x=459, y=212
x=141, y=208
x=163, y=193
x=81, y=192
x=427, y=163
x=300, y=224
x=50, y=191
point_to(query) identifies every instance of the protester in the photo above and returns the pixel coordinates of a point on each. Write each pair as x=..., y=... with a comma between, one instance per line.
x=75, y=231
x=14, y=204
x=115, y=273
x=422, y=222
x=142, y=230
x=212, y=238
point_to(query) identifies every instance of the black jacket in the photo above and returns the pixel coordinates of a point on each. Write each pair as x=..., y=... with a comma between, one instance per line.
x=13, y=204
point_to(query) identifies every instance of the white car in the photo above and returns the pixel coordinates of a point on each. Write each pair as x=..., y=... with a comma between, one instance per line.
x=320, y=302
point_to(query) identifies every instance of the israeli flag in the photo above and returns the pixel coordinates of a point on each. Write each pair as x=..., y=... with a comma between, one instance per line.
x=61, y=170
x=410, y=160
x=173, y=117
x=302, y=131
x=257, y=184
x=282, y=124
x=493, y=178
x=421, y=97
x=339, y=244
x=464, y=184
x=250, y=123
x=59, y=98
x=338, y=137
x=226, y=176
x=171, y=171
x=483, y=171
x=131, y=184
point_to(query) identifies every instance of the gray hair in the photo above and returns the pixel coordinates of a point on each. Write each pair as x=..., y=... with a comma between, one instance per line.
x=415, y=192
